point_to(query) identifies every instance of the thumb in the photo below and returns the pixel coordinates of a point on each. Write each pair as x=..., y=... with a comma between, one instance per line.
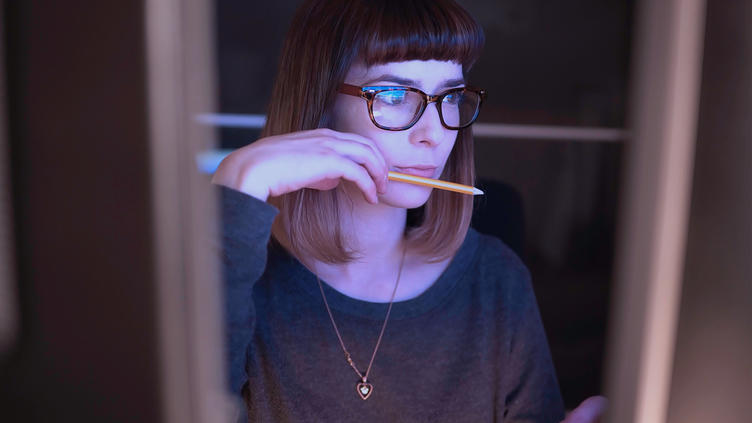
x=589, y=411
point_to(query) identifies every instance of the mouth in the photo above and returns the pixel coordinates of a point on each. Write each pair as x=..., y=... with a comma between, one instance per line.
x=424, y=171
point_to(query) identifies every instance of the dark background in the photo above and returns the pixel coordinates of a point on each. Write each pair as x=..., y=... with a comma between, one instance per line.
x=553, y=201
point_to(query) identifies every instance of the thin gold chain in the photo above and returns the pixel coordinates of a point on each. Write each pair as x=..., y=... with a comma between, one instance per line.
x=349, y=359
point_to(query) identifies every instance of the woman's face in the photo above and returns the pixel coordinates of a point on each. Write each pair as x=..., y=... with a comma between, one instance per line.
x=426, y=144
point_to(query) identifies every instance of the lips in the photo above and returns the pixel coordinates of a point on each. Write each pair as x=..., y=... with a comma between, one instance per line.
x=424, y=171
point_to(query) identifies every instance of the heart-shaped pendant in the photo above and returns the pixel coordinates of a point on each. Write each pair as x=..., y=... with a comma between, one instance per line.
x=364, y=390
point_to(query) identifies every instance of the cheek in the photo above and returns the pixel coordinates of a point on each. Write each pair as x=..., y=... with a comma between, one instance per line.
x=447, y=148
x=351, y=115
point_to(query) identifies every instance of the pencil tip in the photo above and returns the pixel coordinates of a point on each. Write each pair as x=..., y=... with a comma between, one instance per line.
x=476, y=191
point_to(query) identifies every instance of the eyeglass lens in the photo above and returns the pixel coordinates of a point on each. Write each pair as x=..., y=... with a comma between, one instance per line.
x=400, y=108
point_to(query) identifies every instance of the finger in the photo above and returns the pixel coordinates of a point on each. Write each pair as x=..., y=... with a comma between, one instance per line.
x=325, y=184
x=355, y=173
x=365, y=141
x=363, y=155
x=330, y=133
x=589, y=411
x=346, y=144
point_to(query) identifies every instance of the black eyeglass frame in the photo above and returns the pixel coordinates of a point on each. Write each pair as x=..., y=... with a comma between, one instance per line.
x=368, y=93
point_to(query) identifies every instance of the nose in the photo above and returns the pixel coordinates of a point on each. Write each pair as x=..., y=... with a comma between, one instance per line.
x=429, y=130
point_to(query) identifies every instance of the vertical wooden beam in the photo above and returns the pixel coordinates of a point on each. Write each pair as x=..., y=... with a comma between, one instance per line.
x=179, y=41
x=712, y=373
x=652, y=227
x=8, y=294
x=87, y=344
x=120, y=308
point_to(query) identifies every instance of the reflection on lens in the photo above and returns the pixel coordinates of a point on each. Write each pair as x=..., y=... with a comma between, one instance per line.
x=396, y=108
x=459, y=108
x=400, y=108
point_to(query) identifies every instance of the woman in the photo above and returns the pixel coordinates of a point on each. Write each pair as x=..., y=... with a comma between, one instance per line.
x=375, y=301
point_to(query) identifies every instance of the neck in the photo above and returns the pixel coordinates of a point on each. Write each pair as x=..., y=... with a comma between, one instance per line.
x=376, y=233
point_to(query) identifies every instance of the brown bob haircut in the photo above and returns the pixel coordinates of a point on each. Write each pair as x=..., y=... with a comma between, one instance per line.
x=325, y=38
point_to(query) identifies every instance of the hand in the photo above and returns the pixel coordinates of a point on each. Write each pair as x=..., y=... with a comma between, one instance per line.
x=318, y=159
x=589, y=411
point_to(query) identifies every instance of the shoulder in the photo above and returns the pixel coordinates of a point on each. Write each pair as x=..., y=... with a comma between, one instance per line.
x=501, y=281
x=496, y=261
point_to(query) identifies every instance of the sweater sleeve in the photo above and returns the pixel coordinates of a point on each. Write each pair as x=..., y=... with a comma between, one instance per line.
x=245, y=232
x=532, y=391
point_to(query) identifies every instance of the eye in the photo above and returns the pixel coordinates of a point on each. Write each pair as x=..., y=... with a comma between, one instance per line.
x=453, y=98
x=392, y=98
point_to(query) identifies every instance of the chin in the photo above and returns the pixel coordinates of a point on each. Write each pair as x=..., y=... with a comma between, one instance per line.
x=406, y=196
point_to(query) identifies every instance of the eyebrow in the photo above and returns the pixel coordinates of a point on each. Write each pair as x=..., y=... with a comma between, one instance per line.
x=410, y=83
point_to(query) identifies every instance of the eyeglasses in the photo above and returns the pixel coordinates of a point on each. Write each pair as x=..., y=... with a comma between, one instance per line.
x=399, y=108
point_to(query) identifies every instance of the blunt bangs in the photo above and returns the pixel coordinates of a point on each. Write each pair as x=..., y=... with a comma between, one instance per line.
x=401, y=30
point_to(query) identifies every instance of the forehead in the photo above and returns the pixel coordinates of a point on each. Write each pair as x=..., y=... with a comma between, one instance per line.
x=426, y=74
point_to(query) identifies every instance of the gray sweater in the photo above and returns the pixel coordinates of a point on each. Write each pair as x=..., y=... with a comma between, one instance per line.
x=471, y=348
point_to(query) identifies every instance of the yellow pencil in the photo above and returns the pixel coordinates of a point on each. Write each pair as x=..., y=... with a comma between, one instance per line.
x=434, y=183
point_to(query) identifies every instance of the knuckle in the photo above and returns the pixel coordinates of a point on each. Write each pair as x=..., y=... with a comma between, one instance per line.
x=324, y=131
x=326, y=143
x=323, y=152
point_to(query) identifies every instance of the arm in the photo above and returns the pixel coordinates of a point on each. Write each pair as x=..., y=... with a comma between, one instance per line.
x=246, y=228
x=532, y=391
x=272, y=166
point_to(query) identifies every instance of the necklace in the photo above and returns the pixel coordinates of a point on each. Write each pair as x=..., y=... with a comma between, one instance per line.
x=364, y=388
